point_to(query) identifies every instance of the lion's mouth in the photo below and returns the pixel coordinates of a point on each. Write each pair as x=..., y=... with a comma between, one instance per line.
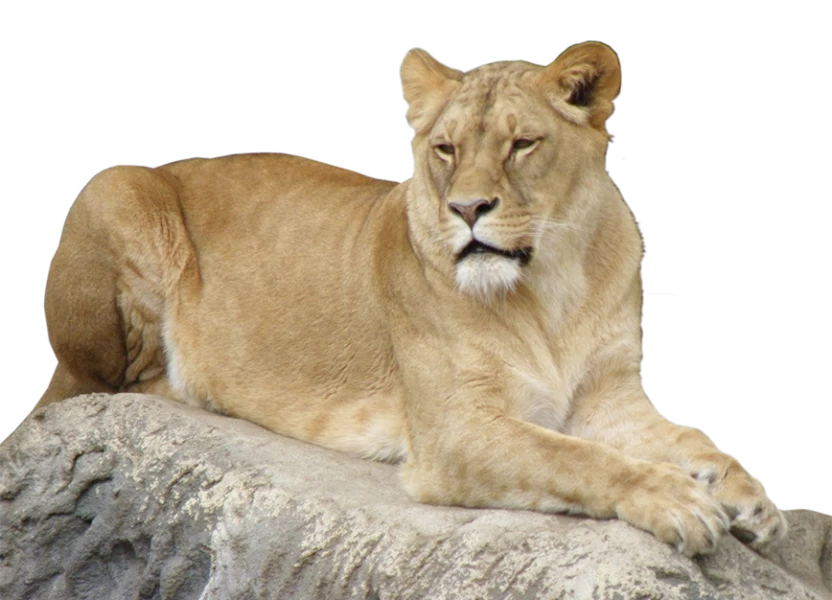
x=524, y=255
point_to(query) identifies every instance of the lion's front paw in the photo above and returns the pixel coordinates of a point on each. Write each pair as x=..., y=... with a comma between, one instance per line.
x=755, y=520
x=664, y=500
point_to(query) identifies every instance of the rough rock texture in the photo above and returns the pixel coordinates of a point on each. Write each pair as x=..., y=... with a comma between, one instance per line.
x=138, y=497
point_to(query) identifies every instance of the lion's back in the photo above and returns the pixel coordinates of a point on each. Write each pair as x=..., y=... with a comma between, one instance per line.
x=274, y=221
x=250, y=190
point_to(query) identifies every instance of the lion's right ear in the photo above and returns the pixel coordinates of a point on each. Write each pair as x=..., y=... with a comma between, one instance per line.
x=427, y=85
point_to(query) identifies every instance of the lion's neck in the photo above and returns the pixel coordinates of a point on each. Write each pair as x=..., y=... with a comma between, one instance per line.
x=558, y=275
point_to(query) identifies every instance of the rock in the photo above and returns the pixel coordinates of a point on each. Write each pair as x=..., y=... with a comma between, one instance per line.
x=138, y=497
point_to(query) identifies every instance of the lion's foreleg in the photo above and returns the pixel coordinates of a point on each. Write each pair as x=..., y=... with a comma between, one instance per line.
x=614, y=410
x=482, y=457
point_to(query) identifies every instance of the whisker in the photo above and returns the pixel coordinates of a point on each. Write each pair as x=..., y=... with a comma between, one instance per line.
x=543, y=224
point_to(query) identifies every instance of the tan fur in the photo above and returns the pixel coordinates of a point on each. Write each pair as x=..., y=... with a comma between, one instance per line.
x=339, y=309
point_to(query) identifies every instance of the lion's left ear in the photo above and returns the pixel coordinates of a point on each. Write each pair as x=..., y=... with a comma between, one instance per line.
x=582, y=83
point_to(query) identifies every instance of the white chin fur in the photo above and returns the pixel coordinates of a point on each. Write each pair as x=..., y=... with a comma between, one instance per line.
x=486, y=276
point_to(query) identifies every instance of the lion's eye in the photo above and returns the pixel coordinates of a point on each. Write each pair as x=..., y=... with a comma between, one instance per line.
x=444, y=150
x=522, y=144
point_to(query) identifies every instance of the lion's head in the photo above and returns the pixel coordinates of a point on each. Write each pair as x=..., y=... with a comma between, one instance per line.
x=501, y=156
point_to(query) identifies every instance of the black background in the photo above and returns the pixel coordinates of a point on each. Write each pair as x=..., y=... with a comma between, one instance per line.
x=687, y=156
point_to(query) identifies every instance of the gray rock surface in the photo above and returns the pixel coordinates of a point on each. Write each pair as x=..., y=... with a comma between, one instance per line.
x=138, y=497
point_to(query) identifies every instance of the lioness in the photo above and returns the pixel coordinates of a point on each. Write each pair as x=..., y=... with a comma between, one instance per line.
x=479, y=322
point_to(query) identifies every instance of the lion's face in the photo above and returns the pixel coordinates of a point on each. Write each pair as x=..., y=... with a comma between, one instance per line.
x=497, y=152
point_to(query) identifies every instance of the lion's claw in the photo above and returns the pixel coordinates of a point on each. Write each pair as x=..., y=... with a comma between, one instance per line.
x=755, y=520
x=677, y=509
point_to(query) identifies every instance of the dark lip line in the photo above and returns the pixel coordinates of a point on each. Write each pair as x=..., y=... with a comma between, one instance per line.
x=524, y=255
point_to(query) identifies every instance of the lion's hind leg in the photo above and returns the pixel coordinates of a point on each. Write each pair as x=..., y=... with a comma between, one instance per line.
x=65, y=385
x=122, y=254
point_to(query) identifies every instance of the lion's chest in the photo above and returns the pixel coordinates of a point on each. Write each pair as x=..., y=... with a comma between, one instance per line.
x=545, y=369
x=538, y=397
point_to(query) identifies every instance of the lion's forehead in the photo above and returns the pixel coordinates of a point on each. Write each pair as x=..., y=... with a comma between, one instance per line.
x=497, y=97
x=509, y=69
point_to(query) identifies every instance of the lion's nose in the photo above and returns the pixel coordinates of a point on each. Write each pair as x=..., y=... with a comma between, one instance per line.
x=473, y=210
